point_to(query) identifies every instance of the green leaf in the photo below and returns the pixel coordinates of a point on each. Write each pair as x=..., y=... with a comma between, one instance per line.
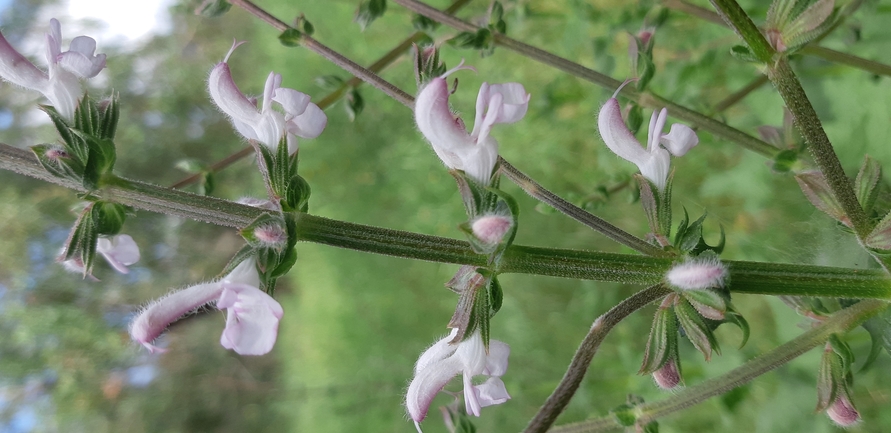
x=496, y=295
x=369, y=11
x=290, y=37
x=662, y=342
x=108, y=217
x=744, y=53
x=108, y=118
x=354, y=104
x=697, y=329
x=866, y=185
x=708, y=303
x=733, y=317
x=817, y=191
x=329, y=82
x=213, y=8
x=785, y=161
x=423, y=24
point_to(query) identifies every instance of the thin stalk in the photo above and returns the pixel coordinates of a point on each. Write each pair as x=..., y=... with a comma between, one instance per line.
x=840, y=322
x=578, y=367
x=646, y=99
x=780, y=73
x=740, y=94
x=812, y=49
x=333, y=56
x=547, y=197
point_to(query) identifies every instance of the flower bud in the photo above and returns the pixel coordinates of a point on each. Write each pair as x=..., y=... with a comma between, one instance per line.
x=273, y=235
x=490, y=229
x=668, y=376
x=843, y=412
x=697, y=274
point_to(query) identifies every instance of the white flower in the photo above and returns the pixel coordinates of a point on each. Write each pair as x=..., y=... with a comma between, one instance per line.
x=301, y=118
x=653, y=161
x=445, y=360
x=251, y=323
x=62, y=84
x=119, y=251
x=697, y=274
x=477, y=152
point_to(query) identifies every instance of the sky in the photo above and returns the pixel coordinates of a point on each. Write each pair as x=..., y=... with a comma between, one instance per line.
x=130, y=20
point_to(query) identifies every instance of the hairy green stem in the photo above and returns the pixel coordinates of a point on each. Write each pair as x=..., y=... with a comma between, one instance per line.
x=578, y=367
x=547, y=197
x=780, y=73
x=646, y=99
x=840, y=322
x=745, y=277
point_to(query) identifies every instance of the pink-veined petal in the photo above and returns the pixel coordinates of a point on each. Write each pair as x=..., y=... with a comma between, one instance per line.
x=120, y=251
x=657, y=124
x=155, y=318
x=680, y=139
x=251, y=320
x=655, y=167
x=273, y=82
x=231, y=101
x=80, y=59
x=491, y=392
x=479, y=161
x=616, y=135
x=439, y=126
x=484, y=126
x=427, y=383
x=18, y=70
x=293, y=102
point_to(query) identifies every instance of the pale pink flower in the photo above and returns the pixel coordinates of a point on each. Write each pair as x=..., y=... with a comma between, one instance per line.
x=445, y=360
x=62, y=84
x=301, y=118
x=653, y=161
x=252, y=317
x=475, y=153
x=119, y=251
x=668, y=376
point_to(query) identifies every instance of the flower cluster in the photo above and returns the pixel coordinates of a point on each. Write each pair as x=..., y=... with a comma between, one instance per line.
x=477, y=152
x=61, y=85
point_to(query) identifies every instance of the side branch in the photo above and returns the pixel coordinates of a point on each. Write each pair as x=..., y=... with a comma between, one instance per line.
x=556, y=403
x=840, y=322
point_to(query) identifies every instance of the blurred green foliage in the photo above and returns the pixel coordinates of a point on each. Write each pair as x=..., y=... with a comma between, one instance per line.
x=354, y=323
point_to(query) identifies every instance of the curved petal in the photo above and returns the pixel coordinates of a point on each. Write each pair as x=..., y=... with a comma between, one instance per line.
x=437, y=352
x=245, y=273
x=427, y=383
x=79, y=58
x=655, y=167
x=617, y=136
x=680, y=139
x=293, y=102
x=496, y=362
x=252, y=319
x=479, y=161
x=229, y=98
x=484, y=126
x=18, y=70
x=491, y=392
x=482, y=103
x=64, y=91
x=53, y=43
x=309, y=124
x=515, y=101
x=155, y=318
x=471, y=400
x=270, y=128
x=444, y=132
x=273, y=82
x=120, y=251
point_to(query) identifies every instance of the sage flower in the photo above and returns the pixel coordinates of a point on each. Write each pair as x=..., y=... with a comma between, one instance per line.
x=252, y=316
x=61, y=85
x=476, y=152
x=654, y=160
x=445, y=360
x=301, y=118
